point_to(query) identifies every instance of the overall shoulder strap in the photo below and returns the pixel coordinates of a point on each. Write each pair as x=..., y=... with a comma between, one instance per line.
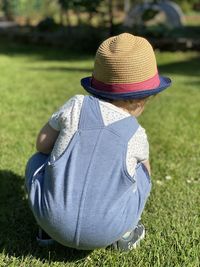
x=90, y=117
x=125, y=128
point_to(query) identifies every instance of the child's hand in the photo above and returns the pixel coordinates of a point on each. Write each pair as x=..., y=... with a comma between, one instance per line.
x=147, y=165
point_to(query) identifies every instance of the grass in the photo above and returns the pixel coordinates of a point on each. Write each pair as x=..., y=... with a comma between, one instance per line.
x=34, y=82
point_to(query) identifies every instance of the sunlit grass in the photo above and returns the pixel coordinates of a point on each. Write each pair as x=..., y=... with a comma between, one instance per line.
x=34, y=82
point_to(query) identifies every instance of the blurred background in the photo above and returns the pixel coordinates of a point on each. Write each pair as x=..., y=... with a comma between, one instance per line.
x=83, y=24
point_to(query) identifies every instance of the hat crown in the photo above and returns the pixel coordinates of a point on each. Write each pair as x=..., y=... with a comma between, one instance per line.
x=120, y=44
x=124, y=58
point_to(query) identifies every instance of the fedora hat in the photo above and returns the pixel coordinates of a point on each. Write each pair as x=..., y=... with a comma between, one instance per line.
x=125, y=67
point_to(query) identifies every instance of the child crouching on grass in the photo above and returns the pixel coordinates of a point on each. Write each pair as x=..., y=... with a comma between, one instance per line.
x=89, y=182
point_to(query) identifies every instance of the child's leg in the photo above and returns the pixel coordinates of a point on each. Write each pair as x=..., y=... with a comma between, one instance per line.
x=143, y=181
x=132, y=238
x=35, y=162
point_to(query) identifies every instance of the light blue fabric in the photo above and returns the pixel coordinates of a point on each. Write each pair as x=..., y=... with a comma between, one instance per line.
x=86, y=199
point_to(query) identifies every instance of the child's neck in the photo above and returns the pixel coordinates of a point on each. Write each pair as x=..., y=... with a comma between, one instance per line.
x=133, y=110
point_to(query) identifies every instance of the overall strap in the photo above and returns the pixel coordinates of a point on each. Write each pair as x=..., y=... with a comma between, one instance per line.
x=90, y=117
x=125, y=128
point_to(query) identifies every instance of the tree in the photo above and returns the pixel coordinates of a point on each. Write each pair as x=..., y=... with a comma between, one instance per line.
x=78, y=6
x=110, y=12
x=65, y=5
x=7, y=7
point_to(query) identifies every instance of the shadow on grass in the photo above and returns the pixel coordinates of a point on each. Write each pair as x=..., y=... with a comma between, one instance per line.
x=42, y=52
x=18, y=227
x=188, y=67
x=75, y=69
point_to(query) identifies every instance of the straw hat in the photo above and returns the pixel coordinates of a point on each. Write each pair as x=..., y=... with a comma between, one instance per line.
x=125, y=67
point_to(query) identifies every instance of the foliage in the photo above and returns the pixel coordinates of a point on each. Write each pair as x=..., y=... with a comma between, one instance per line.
x=82, y=5
x=181, y=2
x=47, y=25
x=149, y=14
x=185, y=4
x=29, y=8
x=37, y=9
x=162, y=31
x=65, y=4
x=8, y=8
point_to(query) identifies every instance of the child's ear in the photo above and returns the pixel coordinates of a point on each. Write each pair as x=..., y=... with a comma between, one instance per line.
x=141, y=103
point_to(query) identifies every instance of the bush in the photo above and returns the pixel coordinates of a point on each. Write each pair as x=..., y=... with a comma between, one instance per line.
x=47, y=25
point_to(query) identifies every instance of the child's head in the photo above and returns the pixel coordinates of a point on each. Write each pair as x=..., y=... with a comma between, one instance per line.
x=125, y=72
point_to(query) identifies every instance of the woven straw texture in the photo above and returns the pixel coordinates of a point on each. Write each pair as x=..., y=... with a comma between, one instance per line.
x=124, y=59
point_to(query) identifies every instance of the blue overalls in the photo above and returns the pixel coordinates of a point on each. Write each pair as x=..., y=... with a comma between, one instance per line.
x=86, y=199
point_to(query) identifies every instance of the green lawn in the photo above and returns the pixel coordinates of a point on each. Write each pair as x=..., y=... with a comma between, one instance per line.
x=33, y=83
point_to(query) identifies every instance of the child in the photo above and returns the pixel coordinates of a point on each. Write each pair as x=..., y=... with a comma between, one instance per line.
x=89, y=183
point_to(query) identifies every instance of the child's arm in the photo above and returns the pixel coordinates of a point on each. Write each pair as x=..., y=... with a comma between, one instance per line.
x=147, y=165
x=46, y=139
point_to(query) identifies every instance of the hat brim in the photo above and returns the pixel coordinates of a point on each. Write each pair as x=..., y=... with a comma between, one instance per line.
x=165, y=82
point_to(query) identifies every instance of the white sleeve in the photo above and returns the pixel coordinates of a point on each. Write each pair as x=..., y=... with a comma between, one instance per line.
x=139, y=145
x=58, y=117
